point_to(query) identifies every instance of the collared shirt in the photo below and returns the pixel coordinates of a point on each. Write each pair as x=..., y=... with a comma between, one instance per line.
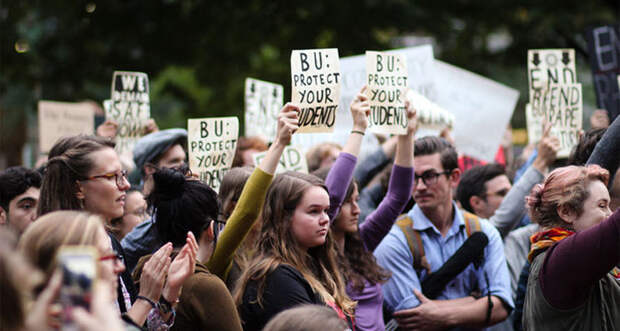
x=394, y=255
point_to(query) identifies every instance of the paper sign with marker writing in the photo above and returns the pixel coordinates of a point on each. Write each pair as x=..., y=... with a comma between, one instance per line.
x=292, y=159
x=387, y=85
x=549, y=66
x=563, y=107
x=315, y=76
x=263, y=101
x=211, y=145
x=130, y=108
x=61, y=119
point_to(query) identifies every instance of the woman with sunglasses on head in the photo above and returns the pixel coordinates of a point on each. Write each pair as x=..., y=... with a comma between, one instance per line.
x=355, y=244
x=573, y=282
x=85, y=173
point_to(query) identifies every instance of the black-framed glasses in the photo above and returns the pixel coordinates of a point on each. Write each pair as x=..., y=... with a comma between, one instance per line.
x=120, y=177
x=429, y=177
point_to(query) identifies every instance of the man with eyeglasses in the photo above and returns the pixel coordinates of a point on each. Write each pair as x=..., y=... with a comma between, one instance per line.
x=442, y=230
x=161, y=149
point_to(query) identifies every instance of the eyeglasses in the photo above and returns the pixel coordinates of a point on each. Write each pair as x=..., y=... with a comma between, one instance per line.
x=429, y=177
x=117, y=257
x=119, y=176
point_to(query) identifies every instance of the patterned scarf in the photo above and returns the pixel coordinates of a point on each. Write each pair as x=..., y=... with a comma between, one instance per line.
x=543, y=240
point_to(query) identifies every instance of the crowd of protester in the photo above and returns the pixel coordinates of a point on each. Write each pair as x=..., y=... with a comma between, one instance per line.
x=412, y=237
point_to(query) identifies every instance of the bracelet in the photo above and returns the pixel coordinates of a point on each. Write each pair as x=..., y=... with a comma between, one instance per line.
x=358, y=132
x=153, y=303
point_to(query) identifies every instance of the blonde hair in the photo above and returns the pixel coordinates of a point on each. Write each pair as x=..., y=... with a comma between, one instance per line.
x=41, y=241
x=307, y=318
x=277, y=245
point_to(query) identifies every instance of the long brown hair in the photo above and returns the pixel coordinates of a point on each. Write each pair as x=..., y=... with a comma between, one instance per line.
x=277, y=245
x=69, y=161
x=355, y=261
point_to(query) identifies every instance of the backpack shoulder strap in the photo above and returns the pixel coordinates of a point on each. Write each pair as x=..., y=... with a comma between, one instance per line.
x=414, y=241
x=472, y=223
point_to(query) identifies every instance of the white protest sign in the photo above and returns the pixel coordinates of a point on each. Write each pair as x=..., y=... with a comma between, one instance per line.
x=130, y=108
x=562, y=106
x=315, y=76
x=549, y=66
x=430, y=115
x=534, y=125
x=211, y=145
x=420, y=64
x=292, y=159
x=263, y=101
x=387, y=85
x=482, y=109
x=61, y=119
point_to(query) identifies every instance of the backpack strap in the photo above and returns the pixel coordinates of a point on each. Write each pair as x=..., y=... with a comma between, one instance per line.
x=472, y=223
x=414, y=241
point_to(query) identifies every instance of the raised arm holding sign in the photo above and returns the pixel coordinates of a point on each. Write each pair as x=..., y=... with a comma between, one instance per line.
x=315, y=75
x=387, y=87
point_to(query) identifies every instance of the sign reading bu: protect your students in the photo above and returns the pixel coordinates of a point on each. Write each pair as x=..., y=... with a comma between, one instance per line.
x=315, y=75
x=211, y=145
x=387, y=87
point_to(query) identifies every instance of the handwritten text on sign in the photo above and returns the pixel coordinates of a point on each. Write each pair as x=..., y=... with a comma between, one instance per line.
x=315, y=77
x=550, y=66
x=263, y=101
x=60, y=119
x=130, y=108
x=292, y=159
x=562, y=106
x=211, y=145
x=387, y=86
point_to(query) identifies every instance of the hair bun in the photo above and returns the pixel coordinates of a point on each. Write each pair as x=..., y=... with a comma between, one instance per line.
x=168, y=182
x=535, y=198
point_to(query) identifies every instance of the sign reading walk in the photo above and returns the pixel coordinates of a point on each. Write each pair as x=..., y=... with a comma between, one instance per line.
x=315, y=75
x=130, y=108
x=211, y=145
x=604, y=50
x=263, y=101
x=387, y=86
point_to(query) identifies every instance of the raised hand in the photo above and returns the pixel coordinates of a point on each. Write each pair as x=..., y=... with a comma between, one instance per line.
x=412, y=118
x=360, y=109
x=180, y=269
x=288, y=124
x=548, y=148
x=107, y=129
x=154, y=273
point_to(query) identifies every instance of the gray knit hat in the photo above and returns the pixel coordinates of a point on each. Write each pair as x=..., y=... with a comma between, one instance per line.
x=156, y=143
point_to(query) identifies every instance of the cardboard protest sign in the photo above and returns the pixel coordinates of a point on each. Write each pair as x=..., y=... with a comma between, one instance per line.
x=562, y=106
x=387, y=86
x=420, y=64
x=481, y=107
x=130, y=108
x=604, y=49
x=546, y=68
x=292, y=159
x=211, y=145
x=263, y=101
x=549, y=66
x=430, y=115
x=60, y=119
x=315, y=75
